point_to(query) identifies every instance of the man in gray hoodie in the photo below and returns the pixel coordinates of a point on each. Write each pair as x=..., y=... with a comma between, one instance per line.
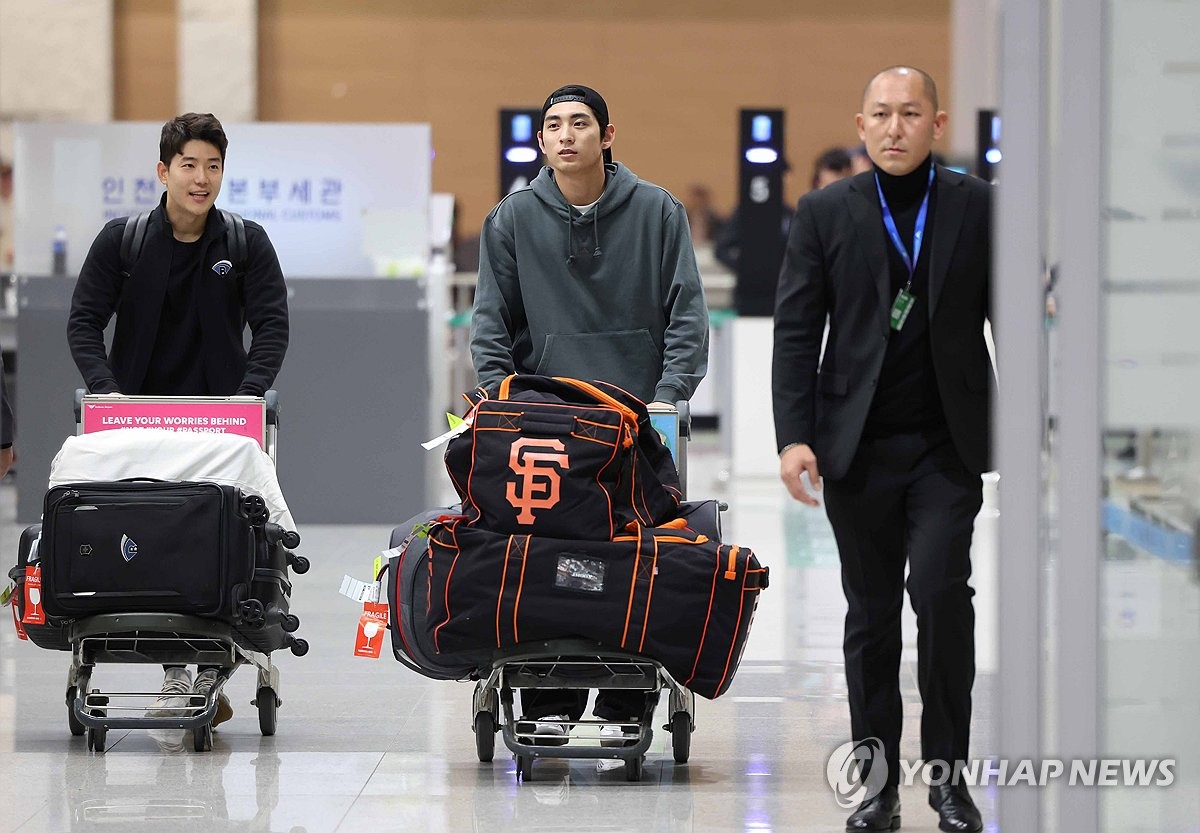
x=589, y=273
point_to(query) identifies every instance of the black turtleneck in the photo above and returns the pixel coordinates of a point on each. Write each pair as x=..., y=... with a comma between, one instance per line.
x=906, y=399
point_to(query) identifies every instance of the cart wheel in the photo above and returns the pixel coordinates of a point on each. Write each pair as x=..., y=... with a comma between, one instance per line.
x=268, y=706
x=76, y=727
x=96, y=739
x=202, y=738
x=681, y=736
x=633, y=769
x=485, y=736
x=524, y=767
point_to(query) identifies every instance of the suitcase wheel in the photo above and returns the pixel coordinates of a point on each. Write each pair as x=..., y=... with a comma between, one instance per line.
x=298, y=646
x=298, y=563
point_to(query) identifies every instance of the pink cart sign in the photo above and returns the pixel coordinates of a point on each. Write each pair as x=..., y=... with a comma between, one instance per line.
x=201, y=416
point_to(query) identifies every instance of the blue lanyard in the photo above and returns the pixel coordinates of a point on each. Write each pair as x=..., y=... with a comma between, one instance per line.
x=918, y=230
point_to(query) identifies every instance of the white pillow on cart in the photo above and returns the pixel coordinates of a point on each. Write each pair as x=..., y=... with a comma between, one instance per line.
x=123, y=453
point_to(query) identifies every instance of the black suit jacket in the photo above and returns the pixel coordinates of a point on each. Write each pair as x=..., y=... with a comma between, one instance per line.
x=836, y=265
x=227, y=303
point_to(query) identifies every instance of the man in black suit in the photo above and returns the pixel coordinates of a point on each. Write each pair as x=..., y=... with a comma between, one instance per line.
x=895, y=412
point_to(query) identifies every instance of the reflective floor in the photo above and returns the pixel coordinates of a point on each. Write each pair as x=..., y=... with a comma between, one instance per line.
x=366, y=745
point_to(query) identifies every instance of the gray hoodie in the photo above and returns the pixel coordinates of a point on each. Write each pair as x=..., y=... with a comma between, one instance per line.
x=613, y=294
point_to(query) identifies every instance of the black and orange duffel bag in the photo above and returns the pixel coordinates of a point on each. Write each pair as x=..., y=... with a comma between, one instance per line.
x=561, y=457
x=671, y=594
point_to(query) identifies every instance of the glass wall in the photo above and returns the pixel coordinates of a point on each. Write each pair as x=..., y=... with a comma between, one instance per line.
x=1101, y=189
x=1150, y=298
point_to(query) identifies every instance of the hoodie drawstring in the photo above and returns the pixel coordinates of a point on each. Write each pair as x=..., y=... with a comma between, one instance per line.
x=596, y=229
x=597, y=252
x=570, y=239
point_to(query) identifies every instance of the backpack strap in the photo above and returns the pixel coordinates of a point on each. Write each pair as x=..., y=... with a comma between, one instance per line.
x=132, y=239
x=235, y=237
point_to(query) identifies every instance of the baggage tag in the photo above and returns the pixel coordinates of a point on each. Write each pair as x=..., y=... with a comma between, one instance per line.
x=457, y=426
x=17, y=620
x=360, y=591
x=371, y=626
x=34, y=613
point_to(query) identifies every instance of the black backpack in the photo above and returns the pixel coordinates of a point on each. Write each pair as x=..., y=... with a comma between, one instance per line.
x=135, y=235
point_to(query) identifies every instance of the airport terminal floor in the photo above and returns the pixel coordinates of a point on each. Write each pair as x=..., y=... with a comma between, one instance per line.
x=367, y=745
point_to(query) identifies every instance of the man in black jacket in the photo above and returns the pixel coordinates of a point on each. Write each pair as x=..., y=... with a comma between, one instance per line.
x=896, y=412
x=182, y=303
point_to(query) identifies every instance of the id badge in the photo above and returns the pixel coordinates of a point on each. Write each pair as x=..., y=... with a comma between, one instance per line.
x=901, y=307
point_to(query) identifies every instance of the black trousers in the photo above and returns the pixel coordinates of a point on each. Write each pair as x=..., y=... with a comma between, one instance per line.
x=617, y=704
x=908, y=498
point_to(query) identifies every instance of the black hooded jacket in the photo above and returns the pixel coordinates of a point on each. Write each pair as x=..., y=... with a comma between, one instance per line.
x=251, y=294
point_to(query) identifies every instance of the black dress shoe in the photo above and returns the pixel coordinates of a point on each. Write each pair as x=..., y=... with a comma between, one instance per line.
x=956, y=811
x=879, y=813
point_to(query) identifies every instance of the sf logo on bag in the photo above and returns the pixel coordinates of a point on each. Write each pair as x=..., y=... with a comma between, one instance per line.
x=539, y=475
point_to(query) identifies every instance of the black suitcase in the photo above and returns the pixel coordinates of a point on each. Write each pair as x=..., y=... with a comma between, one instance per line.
x=164, y=547
x=671, y=594
x=52, y=635
x=265, y=623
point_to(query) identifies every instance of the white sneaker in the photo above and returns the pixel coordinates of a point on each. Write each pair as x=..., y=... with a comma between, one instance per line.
x=205, y=680
x=612, y=734
x=551, y=730
x=174, y=702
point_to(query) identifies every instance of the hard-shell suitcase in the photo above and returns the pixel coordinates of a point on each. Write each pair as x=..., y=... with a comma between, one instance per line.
x=165, y=547
x=561, y=457
x=52, y=633
x=671, y=594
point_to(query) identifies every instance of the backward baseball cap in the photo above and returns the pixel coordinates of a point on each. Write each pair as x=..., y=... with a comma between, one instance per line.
x=586, y=95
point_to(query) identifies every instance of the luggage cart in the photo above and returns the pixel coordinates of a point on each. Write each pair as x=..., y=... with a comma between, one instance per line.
x=582, y=664
x=175, y=639
x=578, y=664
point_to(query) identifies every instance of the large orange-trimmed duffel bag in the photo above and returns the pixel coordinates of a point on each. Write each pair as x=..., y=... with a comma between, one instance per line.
x=561, y=457
x=669, y=593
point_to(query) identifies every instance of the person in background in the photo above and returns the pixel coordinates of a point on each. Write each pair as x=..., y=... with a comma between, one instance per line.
x=833, y=164
x=6, y=219
x=860, y=160
x=703, y=219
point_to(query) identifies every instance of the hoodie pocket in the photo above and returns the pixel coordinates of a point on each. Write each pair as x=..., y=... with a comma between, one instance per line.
x=628, y=359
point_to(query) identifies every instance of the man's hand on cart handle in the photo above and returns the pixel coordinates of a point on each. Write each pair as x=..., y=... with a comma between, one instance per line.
x=794, y=462
x=7, y=457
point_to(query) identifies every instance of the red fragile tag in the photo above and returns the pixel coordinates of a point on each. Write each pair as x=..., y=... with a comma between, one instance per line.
x=17, y=620
x=371, y=627
x=34, y=613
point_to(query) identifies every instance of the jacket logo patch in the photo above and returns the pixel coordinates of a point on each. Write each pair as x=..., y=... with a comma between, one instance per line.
x=222, y=267
x=538, y=470
x=128, y=548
